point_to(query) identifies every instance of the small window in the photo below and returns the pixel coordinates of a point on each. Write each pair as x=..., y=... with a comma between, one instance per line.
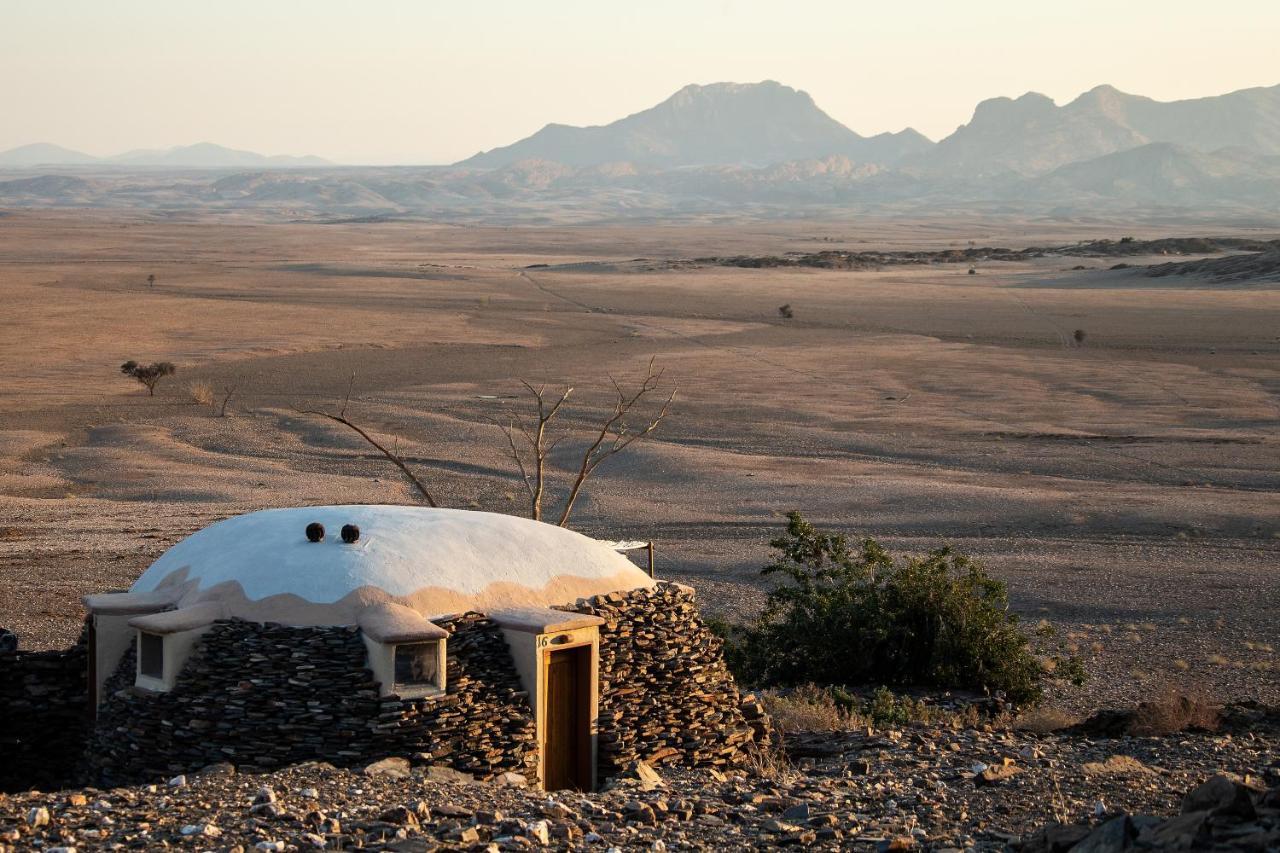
x=151, y=655
x=417, y=664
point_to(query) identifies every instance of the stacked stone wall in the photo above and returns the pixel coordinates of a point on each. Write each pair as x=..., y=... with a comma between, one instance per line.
x=43, y=708
x=262, y=696
x=666, y=696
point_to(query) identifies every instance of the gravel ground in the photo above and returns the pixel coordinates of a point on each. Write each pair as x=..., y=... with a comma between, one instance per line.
x=930, y=787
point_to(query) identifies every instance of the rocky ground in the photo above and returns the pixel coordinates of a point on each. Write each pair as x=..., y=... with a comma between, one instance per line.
x=919, y=787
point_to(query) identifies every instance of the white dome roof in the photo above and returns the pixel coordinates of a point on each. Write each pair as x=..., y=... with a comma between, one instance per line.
x=260, y=566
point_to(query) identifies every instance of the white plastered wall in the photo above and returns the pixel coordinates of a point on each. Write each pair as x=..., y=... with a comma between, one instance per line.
x=112, y=637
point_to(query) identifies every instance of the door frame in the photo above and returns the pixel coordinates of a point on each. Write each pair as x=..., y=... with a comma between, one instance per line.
x=587, y=698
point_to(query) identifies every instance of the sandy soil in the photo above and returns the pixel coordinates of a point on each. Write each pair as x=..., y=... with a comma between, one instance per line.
x=1125, y=488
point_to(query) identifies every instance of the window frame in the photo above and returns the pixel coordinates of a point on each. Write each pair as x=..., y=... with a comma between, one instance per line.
x=432, y=687
x=149, y=644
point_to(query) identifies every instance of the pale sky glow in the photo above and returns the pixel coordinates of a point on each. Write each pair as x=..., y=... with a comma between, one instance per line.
x=422, y=81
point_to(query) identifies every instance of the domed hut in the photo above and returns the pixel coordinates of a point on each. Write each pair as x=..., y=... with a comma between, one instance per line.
x=484, y=642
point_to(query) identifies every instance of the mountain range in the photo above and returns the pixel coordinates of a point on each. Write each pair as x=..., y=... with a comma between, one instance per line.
x=720, y=124
x=202, y=155
x=728, y=148
x=761, y=124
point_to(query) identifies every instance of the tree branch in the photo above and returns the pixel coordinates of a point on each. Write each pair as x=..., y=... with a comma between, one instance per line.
x=392, y=457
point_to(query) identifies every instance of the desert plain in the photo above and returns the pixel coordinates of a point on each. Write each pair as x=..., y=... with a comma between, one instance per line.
x=1124, y=486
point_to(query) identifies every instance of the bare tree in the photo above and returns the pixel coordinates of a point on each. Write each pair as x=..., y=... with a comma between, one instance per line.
x=151, y=280
x=227, y=393
x=530, y=443
x=613, y=436
x=392, y=457
x=536, y=437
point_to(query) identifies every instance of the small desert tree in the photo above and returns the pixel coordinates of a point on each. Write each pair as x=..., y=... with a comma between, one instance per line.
x=151, y=280
x=1079, y=335
x=148, y=374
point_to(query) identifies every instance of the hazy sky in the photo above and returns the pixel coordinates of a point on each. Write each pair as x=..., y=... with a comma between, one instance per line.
x=423, y=81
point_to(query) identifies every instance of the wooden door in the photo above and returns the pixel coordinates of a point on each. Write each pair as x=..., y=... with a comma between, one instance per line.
x=567, y=745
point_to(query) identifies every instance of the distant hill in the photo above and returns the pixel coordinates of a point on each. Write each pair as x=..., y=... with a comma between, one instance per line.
x=206, y=155
x=43, y=154
x=203, y=155
x=1166, y=174
x=1032, y=135
x=754, y=124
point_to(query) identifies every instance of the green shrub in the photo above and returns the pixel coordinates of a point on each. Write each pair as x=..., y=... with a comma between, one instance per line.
x=844, y=616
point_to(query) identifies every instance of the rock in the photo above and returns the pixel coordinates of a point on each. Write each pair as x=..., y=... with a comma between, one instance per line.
x=310, y=839
x=648, y=777
x=274, y=846
x=636, y=811
x=1221, y=796
x=1113, y=836
x=803, y=837
x=511, y=779
x=799, y=812
x=8, y=642
x=1055, y=838
x=996, y=775
x=441, y=773
x=38, y=816
x=206, y=830
x=540, y=831
x=220, y=770
x=1185, y=832
x=266, y=794
x=451, y=810
x=271, y=810
x=309, y=794
x=401, y=816
x=178, y=782
x=390, y=768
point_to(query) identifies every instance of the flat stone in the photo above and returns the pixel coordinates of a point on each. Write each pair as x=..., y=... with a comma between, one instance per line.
x=392, y=768
x=442, y=773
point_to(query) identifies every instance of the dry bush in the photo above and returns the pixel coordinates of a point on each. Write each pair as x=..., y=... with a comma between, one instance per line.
x=1175, y=712
x=1044, y=720
x=202, y=393
x=770, y=761
x=807, y=708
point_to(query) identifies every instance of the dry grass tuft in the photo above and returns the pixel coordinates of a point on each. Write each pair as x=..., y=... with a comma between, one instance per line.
x=807, y=708
x=202, y=393
x=1174, y=712
x=1045, y=720
x=771, y=762
x=1218, y=660
x=1181, y=665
